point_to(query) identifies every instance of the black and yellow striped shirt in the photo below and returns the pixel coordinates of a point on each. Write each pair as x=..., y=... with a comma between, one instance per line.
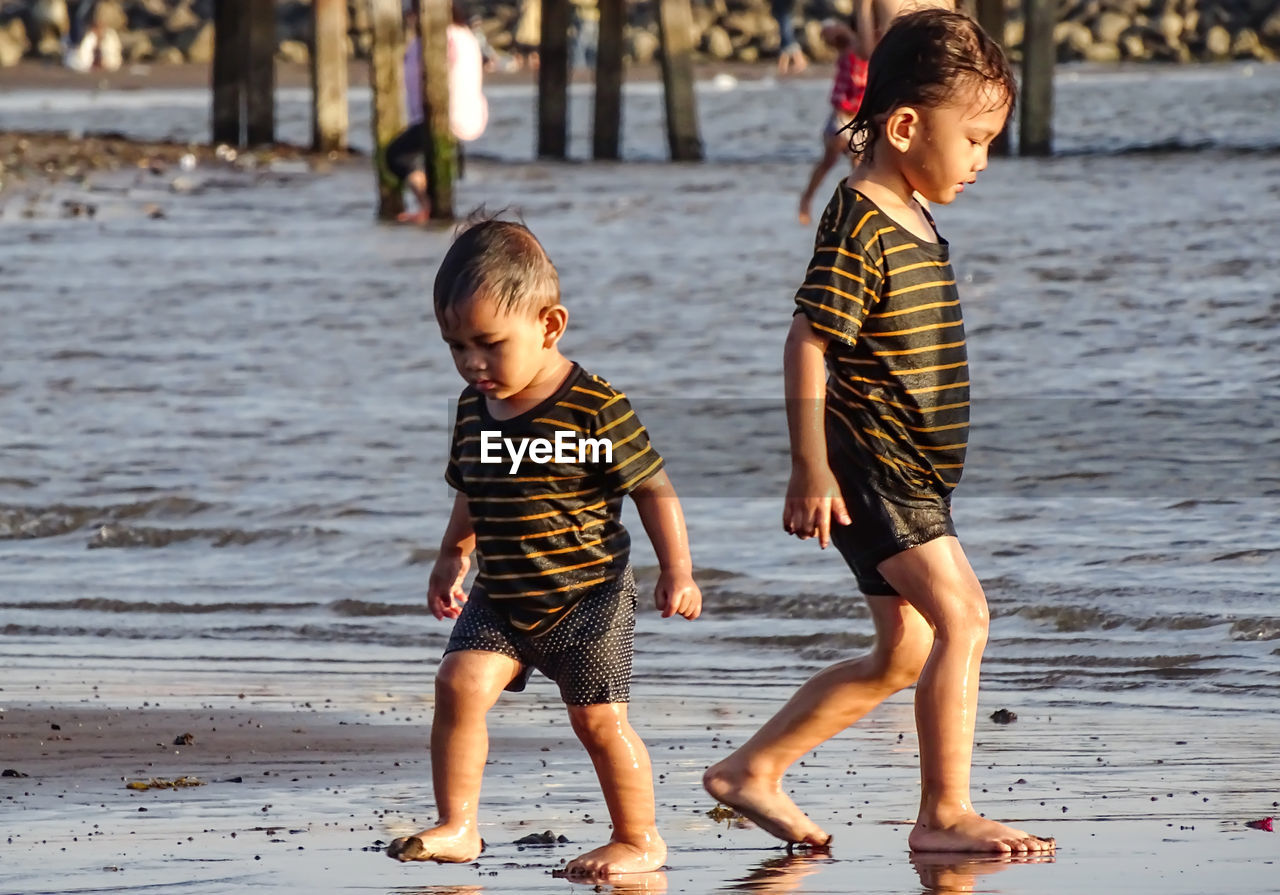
x=550, y=530
x=898, y=384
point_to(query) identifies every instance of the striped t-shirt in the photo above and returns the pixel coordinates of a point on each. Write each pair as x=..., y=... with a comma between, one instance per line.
x=898, y=384
x=547, y=527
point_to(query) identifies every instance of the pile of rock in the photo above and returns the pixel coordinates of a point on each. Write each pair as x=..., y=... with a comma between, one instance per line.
x=149, y=30
x=725, y=30
x=1164, y=30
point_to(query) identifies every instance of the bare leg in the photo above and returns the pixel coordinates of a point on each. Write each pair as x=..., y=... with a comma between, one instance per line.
x=622, y=765
x=417, y=184
x=832, y=148
x=938, y=581
x=792, y=61
x=750, y=780
x=468, y=683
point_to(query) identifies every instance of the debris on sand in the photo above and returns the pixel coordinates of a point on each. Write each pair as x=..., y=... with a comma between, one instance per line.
x=1266, y=823
x=544, y=838
x=10, y=772
x=185, y=739
x=722, y=812
x=1003, y=716
x=161, y=783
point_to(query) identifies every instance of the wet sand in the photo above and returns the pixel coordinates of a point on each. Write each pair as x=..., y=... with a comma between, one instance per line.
x=304, y=799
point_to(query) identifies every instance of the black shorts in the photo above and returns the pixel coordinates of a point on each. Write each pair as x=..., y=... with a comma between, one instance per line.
x=882, y=527
x=588, y=653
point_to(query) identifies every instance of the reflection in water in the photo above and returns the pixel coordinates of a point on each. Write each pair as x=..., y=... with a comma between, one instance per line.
x=783, y=874
x=626, y=884
x=947, y=873
x=439, y=890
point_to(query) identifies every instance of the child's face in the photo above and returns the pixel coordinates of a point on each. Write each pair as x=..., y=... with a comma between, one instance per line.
x=950, y=145
x=501, y=353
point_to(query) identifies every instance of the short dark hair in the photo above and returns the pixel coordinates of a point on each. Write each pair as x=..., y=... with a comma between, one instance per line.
x=921, y=61
x=499, y=260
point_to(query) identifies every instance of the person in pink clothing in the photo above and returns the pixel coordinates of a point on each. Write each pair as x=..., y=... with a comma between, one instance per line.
x=846, y=95
x=468, y=108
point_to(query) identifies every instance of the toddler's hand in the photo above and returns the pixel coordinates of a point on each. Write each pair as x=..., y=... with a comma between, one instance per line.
x=677, y=594
x=445, y=596
x=813, y=499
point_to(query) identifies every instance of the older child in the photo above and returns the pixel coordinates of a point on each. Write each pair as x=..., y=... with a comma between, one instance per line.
x=877, y=389
x=543, y=454
x=468, y=108
x=872, y=18
x=846, y=95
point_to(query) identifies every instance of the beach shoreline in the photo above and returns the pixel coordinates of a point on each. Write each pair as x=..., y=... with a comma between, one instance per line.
x=32, y=74
x=292, y=797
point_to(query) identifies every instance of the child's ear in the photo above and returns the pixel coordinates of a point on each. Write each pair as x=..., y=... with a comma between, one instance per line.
x=554, y=321
x=901, y=128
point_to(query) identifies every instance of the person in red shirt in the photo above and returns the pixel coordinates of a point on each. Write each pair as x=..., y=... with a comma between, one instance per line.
x=846, y=95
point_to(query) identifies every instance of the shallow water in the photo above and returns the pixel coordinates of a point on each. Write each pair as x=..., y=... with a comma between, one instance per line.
x=222, y=432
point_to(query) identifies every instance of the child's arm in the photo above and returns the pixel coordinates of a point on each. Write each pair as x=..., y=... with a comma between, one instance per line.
x=445, y=595
x=659, y=509
x=864, y=27
x=813, y=496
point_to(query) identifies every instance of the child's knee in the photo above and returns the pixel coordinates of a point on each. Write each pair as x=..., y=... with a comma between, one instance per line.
x=595, y=723
x=469, y=682
x=454, y=685
x=966, y=617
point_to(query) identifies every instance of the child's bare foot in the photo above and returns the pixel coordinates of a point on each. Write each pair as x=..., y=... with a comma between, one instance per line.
x=803, y=213
x=444, y=845
x=615, y=858
x=763, y=803
x=419, y=217
x=971, y=832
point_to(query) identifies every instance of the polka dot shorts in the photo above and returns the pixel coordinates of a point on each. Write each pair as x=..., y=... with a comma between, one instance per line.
x=588, y=654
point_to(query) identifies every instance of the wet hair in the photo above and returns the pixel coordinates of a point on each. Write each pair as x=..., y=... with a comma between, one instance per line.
x=499, y=260
x=924, y=60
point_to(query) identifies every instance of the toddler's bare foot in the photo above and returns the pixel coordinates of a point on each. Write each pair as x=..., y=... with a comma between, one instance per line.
x=971, y=832
x=618, y=857
x=763, y=803
x=803, y=213
x=444, y=845
x=419, y=217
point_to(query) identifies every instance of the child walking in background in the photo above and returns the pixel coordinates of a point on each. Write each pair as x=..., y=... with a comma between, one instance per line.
x=846, y=96
x=877, y=389
x=555, y=589
x=468, y=108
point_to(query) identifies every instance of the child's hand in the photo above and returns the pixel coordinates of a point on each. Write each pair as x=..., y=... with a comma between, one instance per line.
x=445, y=596
x=813, y=499
x=677, y=594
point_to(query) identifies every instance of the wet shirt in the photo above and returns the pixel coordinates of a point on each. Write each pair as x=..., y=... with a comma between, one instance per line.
x=898, y=384
x=544, y=490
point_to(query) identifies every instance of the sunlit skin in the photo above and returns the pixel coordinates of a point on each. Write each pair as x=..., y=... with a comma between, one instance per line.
x=935, y=634
x=513, y=359
x=872, y=18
